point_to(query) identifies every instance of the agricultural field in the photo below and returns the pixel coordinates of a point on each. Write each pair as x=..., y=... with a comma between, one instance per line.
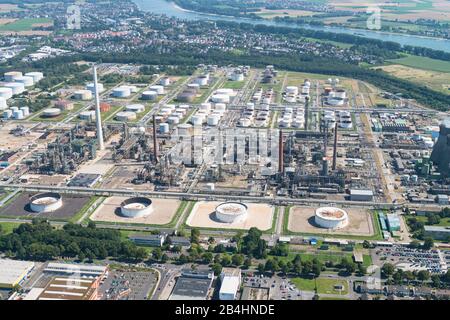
x=323, y=285
x=423, y=63
x=25, y=24
x=270, y=14
x=439, y=81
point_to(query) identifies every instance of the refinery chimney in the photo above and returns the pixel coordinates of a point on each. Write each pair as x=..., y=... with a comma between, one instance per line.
x=98, y=117
x=155, y=142
x=335, y=146
x=280, y=153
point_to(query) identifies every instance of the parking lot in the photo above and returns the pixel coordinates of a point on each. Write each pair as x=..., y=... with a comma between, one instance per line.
x=280, y=288
x=127, y=285
x=414, y=259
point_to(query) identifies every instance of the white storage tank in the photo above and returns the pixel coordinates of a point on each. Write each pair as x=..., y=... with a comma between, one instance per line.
x=46, y=202
x=149, y=95
x=165, y=81
x=3, y=104
x=51, y=112
x=136, y=207
x=18, y=114
x=12, y=75
x=184, y=129
x=231, y=212
x=83, y=95
x=331, y=218
x=126, y=116
x=202, y=81
x=87, y=115
x=197, y=120
x=133, y=89
x=27, y=81
x=6, y=93
x=173, y=120
x=16, y=87
x=220, y=107
x=137, y=108
x=157, y=88
x=25, y=111
x=244, y=122
x=220, y=98
x=37, y=76
x=213, y=120
x=194, y=86
x=91, y=87
x=121, y=92
x=206, y=107
x=164, y=128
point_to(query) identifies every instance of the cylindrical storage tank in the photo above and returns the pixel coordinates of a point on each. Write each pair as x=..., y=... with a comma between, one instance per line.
x=285, y=123
x=159, y=119
x=16, y=87
x=3, y=104
x=340, y=93
x=213, y=120
x=12, y=75
x=149, y=95
x=164, y=128
x=206, y=107
x=136, y=207
x=184, y=129
x=27, y=81
x=7, y=114
x=165, y=111
x=220, y=98
x=197, y=120
x=157, y=88
x=121, y=92
x=220, y=107
x=126, y=116
x=331, y=218
x=133, y=89
x=201, y=81
x=226, y=91
x=194, y=86
x=231, y=212
x=171, y=107
x=37, y=76
x=173, y=120
x=46, y=202
x=18, y=114
x=137, y=108
x=6, y=93
x=165, y=81
x=25, y=111
x=91, y=87
x=87, y=115
x=13, y=109
x=83, y=95
x=51, y=112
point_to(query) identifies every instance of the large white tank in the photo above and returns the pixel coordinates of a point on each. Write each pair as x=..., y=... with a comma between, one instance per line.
x=173, y=120
x=213, y=120
x=6, y=93
x=126, y=116
x=184, y=129
x=157, y=88
x=7, y=114
x=87, y=115
x=164, y=81
x=3, y=104
x=25, y=111
x=27, y=81
x=18, y=114
x=222, y=107
x=37, y=76
x=121, y=92
x=197, y=120
x=12, y=75
x=149, y=95
x=206, y=107
x=51, y=112
x=201, y=81
x=91, y=87
x=231, y=212
x=83, y=95
x=331, y=218
x=164, y=128
x=136, y=207
x=138, y=108
x=225, y=91
x=46, y=202
x=16, y=87
x=220, y=98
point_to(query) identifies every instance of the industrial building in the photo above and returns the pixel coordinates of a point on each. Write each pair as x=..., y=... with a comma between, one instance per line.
x=66, y=288
x=393, y=222
x=153, y=240
x=441, y=151
x=13, y=272
x=437, y=232
x=230, y=282
x=193, y=285
x=361, y=195
x=81, y=270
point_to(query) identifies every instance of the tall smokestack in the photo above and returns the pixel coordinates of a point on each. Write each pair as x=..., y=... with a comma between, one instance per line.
x=155, y=142
x=306, y=113
x=98, y=117
x=325, y=146
x=281, y=153
x=335, y=146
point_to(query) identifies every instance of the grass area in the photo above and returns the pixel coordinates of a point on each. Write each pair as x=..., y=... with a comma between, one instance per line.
x=236, y=85
x=445, y=222
x=24, y=24
x=323, y=285
x=83, y=210
x=8, y=227
x=274, y=219
x=64, y=114
x=110, y=114
x=423, y=63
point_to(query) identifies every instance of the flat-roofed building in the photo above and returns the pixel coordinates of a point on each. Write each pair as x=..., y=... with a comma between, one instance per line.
x=361, y=195
x=230, y=283
x=67, y=288
x=193, y=285
x=153, y=240
x=81, y=270
x=438, y=233
x=13, y=272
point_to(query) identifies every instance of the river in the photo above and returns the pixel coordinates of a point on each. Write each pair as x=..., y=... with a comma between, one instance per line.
x=170, y=9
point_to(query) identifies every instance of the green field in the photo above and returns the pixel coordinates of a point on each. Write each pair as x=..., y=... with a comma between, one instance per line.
x=24, y=24
x=445, y=222
x=8, y=227
x=324, y=285
x=423, y=63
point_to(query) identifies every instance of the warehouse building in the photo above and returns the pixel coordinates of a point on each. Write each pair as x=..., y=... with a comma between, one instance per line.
x=438, y=233
x=230, y=283
x=393, y=222
x=66, y=288
x=14, y=272
x=193, y=285
x=153, y=240
x=361, y=195
x=80, y=270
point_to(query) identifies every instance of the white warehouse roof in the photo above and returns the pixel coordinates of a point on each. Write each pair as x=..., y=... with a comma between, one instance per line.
x=76, y=268
x=13, y=271
x=229, y=287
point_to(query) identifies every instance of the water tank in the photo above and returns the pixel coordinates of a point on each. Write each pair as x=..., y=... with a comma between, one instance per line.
x=18, y=114
x=91, y=87
x=51, y=112
x=173, y=120
x=25, y=111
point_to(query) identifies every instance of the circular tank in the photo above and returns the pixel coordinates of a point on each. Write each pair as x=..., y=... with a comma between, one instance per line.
x=121, y=92
x=149, y=95
x=83, y=95
x=91, y=87
x=244, y=122
x=173, y=120
x=138, y=108
x=158, y=89
x=213, y=120
x=197, y=120
x=87, y=115
x=231, y=212
x=164, y=127
x=12, y=75
x=7, y=114
x=18, y=114
x=184, y=129
x=25, y=111
x=136, y=207
x=220, y=107
x=37, y=76
x=16, y=87
x=125, y=116
x=3, y=104
x=220, y=98
x=46, y=202
x=51, y=112
x=27, y=81
x=331, y=218
x=6, y=93
x=292, y=90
